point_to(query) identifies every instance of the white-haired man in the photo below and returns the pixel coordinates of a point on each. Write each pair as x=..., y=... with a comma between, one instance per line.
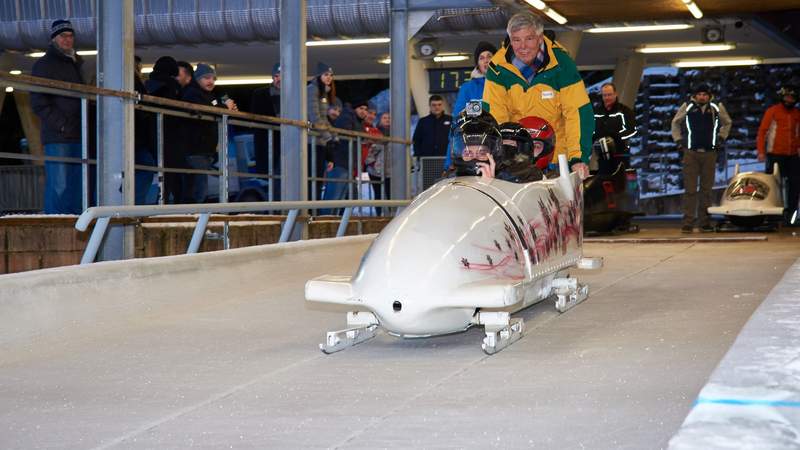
x=534, y=76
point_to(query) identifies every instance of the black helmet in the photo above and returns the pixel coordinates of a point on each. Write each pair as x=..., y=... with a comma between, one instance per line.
x=516, y=141
x=474, y=138
x=605, y=147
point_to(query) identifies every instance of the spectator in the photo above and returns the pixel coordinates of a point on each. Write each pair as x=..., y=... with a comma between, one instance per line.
x=267, y=101
x=433, y=131
x=61, y=121
x=372, y=116
x=379, y=161
x=779, y=142
x=185, y=73
x=163, y=83
x=618, y=122
x=534, y=76
x=201, y=136
x=473, y=89
x=339, y=160
x=143, y=142
x=321, y=94
x=707, y=126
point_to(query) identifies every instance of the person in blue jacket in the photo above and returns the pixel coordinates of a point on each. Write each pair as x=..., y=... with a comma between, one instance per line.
x=473, y=89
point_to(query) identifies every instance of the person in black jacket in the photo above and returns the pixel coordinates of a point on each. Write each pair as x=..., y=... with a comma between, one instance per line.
x=267, y=101
x=163, y=83
x=61, y=121
x=614, y=120
x=432, y=134
x=200, y=139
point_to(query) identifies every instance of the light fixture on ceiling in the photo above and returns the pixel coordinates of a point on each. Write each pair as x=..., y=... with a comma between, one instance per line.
x=80, y=52
x=234, y=81
x=386, y=60
x=450, y=58
x=678, y=48
x=366, y=41
x=15, y=72
x=9, y=89
x=548, y=11
x=693, y=8
x=717, y=62
x=636, y=28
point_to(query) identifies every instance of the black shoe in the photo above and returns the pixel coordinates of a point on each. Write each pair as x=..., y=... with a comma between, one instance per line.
x=686, y=229
x=707, y=229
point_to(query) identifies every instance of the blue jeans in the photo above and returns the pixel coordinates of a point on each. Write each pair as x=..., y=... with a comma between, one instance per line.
x=334, y=190
x=198, y=184
x=62, y=191
x=144, y=178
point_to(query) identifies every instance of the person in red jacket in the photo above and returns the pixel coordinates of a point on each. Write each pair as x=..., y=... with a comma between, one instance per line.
x=779, y=142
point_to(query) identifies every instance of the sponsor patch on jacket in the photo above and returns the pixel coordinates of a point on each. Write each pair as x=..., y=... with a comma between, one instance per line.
x=446, y=123
x=214, y=102
x=548, y=95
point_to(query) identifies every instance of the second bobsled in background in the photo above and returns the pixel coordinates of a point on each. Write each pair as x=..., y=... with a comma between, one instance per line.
x=752, y=199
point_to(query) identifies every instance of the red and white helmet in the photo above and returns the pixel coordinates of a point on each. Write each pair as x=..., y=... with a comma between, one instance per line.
x=543, y=133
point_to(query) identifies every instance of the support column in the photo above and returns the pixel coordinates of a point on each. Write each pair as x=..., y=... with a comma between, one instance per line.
x=115, y=121
x=30, y=124
x=400, y=105
x=571, y=41
x=294, y=140
x=420, y=85
x=628, y=77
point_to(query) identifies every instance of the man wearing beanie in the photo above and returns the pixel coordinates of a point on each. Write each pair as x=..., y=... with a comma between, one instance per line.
x=267, y=101
x=699, y=129
x=61, y=121
x=200, y=138
x=473, y=89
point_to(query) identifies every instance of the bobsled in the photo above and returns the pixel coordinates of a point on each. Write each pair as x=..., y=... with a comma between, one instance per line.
x=466, y=252
x=752, y=198
x=607, y=203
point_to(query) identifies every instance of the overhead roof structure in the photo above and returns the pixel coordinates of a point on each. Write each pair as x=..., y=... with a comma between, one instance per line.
x=240, y=37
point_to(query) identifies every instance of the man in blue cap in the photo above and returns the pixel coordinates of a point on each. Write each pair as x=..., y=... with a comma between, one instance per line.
x=61, y=121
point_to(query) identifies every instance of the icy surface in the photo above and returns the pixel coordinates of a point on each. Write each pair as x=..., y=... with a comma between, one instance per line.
x=752, y=400
x=219, y=350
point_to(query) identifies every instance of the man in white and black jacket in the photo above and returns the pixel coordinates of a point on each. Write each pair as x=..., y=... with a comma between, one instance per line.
x=61, y=121
x=614, y=120
x=699, y=128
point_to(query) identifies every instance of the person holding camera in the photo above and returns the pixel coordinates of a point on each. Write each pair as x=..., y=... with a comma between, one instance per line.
x=699, y=129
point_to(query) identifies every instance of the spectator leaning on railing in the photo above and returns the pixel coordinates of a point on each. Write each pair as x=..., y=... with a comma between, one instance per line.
x=61, y=121
x=267, y=101
x=163, y=83
x=201, y=137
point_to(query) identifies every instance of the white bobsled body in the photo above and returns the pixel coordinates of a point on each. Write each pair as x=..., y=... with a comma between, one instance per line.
x=751, y=194
x=462, y=245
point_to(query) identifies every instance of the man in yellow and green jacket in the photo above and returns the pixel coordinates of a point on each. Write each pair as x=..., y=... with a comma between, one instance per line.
x=533, y=76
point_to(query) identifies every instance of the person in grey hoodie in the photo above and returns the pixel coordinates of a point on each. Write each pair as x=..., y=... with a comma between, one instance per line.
x=321, y=95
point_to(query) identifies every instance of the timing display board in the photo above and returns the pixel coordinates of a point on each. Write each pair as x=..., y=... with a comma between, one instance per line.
x=448, y=80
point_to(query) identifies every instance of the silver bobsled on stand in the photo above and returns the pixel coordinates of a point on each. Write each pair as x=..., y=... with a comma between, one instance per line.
x=465, y=252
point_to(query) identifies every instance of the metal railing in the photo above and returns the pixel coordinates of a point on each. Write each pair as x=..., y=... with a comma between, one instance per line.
x=104, y=214
x=225, y=118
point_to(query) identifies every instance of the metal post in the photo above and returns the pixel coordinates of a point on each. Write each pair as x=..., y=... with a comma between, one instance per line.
x=85, y=152
x=345, y=220
x=270, y=164
x=399, y=97
x=95, y=240
x=288, y=226
x=222, y=157
x=293, y=101
x=160, y=155
x=358, y=168
x=199, y=233
x=313, y=173
x=115, y=120
x=349, y=169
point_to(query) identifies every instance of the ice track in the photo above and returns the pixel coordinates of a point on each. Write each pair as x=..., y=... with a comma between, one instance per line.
x=219, y=350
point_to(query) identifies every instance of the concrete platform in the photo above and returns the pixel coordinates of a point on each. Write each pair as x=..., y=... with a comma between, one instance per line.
x=220, y=350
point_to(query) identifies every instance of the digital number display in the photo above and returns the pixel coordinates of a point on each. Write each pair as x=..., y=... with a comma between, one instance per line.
x=448, y=80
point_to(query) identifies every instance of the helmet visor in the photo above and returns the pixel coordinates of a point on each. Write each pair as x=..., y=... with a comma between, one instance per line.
x=473, y=146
